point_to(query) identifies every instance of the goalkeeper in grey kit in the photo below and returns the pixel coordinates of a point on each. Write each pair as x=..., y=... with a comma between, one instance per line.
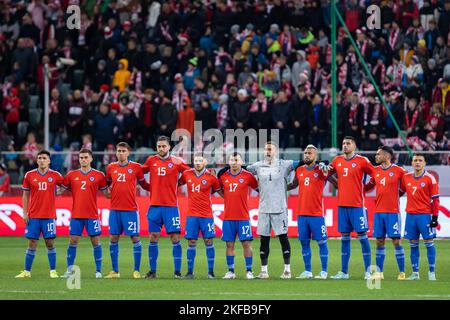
x=273, y=174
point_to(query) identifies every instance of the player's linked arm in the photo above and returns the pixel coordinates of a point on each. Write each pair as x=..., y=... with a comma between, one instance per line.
x=107, y=193
x=369, y=186
x=333, y=180
x=144, y=185
x=293, y=184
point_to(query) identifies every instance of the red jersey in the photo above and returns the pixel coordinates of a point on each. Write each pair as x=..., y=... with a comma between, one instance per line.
x=387, y=182
x=310, y=190
x=419, y=192
x=42, y=189
x=199, y=190
x=235, y=191
x=350, y=174
x=164, y=174
x=84, y=186
x=123, y=181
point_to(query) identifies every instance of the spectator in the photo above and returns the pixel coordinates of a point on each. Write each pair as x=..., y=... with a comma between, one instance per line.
x=396, y=108
x=260, y=113
x=441, y=52
x=106, y=128
x=30, y=152
x=186, y=117
x=408, y=12
x=10, y=110
x=239, y=111
x=4, y=180
x=206, y=115
x=353, y=118
x=57, y=159
x=434, y=123
x=23, y=60
x=300, y=111
x=122, y=76
x=299, y=67
x=148, y=111
x=76, y=109
x=57, y=118
x=413, y=118
x=222, y=113
x=318, y=119
x=167, y=116
x=129, y=126
x=280, y=116
x=100, y=77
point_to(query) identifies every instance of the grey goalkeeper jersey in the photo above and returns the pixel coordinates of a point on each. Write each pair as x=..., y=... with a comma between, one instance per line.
x=272, y=180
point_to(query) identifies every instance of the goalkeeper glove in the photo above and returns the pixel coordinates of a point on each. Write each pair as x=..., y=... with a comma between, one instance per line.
x=323, y=167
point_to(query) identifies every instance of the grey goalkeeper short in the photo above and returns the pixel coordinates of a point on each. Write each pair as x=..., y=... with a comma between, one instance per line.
x=278, y=222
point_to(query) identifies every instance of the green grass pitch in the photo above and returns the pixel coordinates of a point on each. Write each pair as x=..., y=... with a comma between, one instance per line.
x=40, y=286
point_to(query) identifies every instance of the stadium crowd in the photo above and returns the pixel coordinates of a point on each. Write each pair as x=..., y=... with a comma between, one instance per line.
x=144, y=68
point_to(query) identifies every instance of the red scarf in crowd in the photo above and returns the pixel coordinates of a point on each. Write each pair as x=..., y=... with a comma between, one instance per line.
x=382, y=71
x=393, y=37
x=352, y=114
x=147, y=113
x=362, y=47
x=410, y=123
x=54, y=108
x=255, y=105
x=178, y=99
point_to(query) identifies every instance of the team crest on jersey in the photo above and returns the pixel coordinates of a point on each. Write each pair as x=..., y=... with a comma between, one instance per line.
x=130, y=171
x=91, y=179
x=170, y=165
x=50, y=179
x=353, y=165
x=422, y=184
x=316, y=175
x=391, y=174
x=241, y=180
x=203, y=181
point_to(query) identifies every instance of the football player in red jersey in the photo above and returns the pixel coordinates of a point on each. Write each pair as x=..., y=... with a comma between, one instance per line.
x=39, y=213
x=236, y=184
x=124, y=216
x=311, y=221
x=351, y=170
x=84, y=184
x=422, y=209
x=164, y=170
x=387, y=220
x=201, y=184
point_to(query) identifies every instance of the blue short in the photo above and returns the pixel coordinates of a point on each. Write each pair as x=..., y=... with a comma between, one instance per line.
x=311, y=227
x=196, y=224
x=36, y=226
x=231, y=228
x=352, y=219
x=389, y=224
x=416, y=225
x=158, y=216
x=124, y=221
x=92, y=226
